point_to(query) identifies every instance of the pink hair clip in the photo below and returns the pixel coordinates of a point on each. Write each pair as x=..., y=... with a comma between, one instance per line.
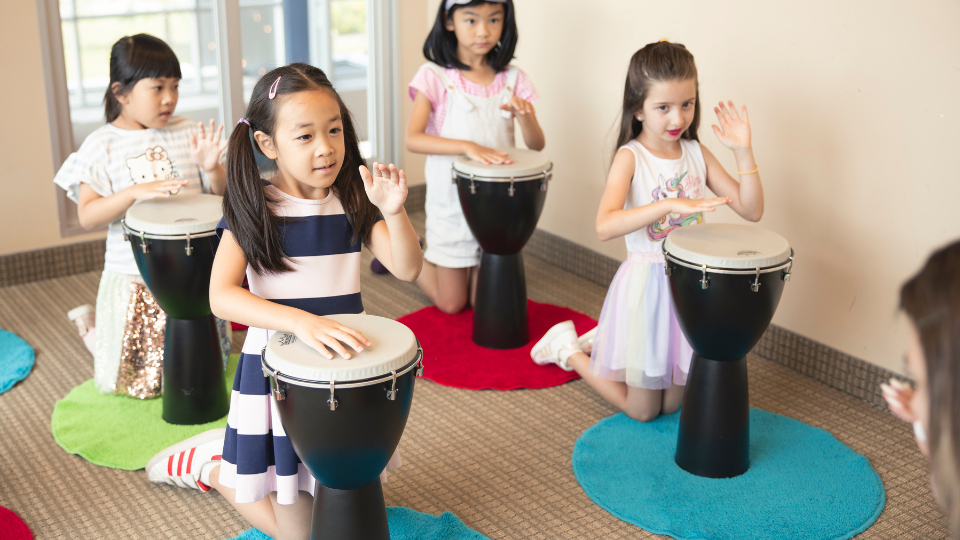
x=273, y=89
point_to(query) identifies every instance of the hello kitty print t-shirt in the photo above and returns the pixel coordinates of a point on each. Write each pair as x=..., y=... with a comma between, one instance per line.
x=112, y=159
x=655, y=179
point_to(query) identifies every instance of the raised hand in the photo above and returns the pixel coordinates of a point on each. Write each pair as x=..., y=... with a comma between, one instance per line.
x=898, y=396
x=205, y=149
x=519, y=106
x=320, y=333
x=734, y=129
x=156, y=189
x=487, y=155
x=686, y=207
x=386, y=187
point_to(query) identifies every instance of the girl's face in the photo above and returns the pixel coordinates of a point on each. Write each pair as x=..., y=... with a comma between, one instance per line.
x=669, y=108
x=308, y=143
x=478, y=28
x=149, y=104
x=917, y=367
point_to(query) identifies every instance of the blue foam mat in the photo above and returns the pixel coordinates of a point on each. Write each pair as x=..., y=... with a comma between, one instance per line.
x=407, y=524
x=802, y=483
x=16, y=360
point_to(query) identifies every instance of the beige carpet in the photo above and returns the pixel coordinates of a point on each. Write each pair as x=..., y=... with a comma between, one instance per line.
x=498, y=460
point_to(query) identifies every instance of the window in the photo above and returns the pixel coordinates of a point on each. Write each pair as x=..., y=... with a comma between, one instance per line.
x=224, y=46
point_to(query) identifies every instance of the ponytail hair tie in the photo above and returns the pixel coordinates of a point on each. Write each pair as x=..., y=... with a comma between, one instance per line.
x=244, y=120
x=664, y=40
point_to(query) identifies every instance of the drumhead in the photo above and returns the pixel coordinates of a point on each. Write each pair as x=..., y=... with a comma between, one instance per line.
x=176, y=215
x=392, y=346
x=525, y=163
x=727, y=245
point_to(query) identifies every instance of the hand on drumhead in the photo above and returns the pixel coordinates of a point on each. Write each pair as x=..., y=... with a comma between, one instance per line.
x=519, y=106
x=898, y=396
x=156, y=189
x=205, y=149
x=386, y=187
x=692, y=206
x=486, y=155
x=321, y=333
x=734, y=129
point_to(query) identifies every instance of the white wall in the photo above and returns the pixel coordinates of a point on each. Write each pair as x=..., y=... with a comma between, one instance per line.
x=855, y=109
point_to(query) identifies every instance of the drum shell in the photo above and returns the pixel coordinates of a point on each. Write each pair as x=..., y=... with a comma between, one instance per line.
x=501, y=224
x=724, y=321
x=179, y=282
x=349, y=447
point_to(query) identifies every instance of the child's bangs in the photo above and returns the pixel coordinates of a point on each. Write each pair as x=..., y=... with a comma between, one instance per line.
x=154, y=63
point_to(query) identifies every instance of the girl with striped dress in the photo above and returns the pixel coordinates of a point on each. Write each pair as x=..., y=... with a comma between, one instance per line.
x=297, y=239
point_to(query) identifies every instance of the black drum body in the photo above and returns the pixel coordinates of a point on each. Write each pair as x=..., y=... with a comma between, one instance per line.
x=345, y=434
x=502, y=215
x=177, y=272
x=723, y=313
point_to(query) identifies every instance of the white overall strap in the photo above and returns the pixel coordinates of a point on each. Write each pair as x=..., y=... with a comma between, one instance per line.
x=513, y=74
x=459, y=98
x=441, y=74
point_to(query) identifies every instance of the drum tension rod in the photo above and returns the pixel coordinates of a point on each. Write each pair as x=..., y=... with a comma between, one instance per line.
x=544, y=180
x=332, y=401
x=473, y=186
x=420, y=369
x=189, y=249
x=511, y=190
x=143, y=243
x=279, y=392
x=704, y=282
x=785, y=275
x=666, y=270
x=392, y=392
x=755, y=286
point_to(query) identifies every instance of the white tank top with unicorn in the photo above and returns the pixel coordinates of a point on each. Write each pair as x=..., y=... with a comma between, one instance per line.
x=656, y=179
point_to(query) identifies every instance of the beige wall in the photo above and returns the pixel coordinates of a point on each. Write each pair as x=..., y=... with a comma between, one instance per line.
x=856, y=120
x=28, y=207
x=416, y=19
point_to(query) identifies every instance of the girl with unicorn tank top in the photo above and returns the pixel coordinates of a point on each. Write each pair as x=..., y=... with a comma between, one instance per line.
x=465, y=101
x=297, y=240
x=637, y=358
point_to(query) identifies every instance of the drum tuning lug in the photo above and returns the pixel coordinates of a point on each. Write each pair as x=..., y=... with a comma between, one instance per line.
x=453, y=176
x=785, y=274
x=189, y=249
x=755, y=286
x=473, y=186
x=544, y=180
x=279, y=389
x=704, y=282
x=420, y=370
x=511, y=190
x=143, y=243
x=392, y=392
x=332, y=401
x=667, y=271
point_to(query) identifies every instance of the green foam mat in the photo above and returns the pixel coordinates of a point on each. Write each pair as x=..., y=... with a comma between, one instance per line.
x=120, y=432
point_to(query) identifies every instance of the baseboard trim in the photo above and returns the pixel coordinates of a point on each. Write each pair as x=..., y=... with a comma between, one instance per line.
x=19, y=268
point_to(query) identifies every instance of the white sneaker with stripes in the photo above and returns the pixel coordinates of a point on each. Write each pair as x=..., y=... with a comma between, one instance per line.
x=189, y=462
x=561, y=338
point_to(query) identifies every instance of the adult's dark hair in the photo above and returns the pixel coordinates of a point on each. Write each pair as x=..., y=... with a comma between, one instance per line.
x=655, y=62
x=133, y=58
x=931, y=299
x=245, y=203
x=441, y=45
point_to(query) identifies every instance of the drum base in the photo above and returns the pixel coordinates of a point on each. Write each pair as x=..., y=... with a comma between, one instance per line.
x=714, y=434
x=500, y=311
x=194, y=390
x=350, y=514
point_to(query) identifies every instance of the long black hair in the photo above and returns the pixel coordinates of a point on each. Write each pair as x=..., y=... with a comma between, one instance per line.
x=245, y=204
x=441, y=45
x=133, y=58
x=655, y=62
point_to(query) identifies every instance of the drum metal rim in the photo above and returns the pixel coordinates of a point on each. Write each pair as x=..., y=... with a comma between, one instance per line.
x=140, y=234
x=547, y=174
x=359, y=383
x=786, y=265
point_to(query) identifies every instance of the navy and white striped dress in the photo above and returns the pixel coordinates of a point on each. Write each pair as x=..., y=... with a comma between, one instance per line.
x=257, y=456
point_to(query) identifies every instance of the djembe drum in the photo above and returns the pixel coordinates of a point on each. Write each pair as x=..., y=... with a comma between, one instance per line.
x=345, y=418
x=726, y=281
x=174, y=241
x=502, y=204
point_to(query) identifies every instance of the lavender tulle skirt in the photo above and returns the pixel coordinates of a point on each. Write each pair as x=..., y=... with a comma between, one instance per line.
x=638, y=339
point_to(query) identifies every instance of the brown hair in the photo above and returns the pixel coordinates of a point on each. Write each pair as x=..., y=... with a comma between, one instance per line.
x=245, y=204
x=932, y=301
x=655, y=62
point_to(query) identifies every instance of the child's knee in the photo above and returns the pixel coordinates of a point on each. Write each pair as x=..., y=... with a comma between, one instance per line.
x=642, y=414
x=451, y=306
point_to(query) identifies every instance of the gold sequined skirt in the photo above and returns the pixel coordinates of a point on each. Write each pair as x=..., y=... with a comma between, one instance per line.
x=141, y=355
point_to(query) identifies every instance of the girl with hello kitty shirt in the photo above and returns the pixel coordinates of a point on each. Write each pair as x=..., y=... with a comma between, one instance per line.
x=637, y=358
x=142, y=153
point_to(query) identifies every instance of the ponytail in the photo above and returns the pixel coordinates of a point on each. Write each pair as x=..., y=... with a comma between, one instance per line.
x=246, y=209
